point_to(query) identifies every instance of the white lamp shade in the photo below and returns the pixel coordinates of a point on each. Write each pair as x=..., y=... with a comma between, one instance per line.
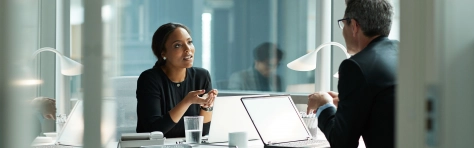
x=70, y=67
x=304, y=63
x=308, y=61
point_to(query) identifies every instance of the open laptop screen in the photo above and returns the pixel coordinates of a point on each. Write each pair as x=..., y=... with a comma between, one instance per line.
x=276, y=118
x=73, y=131
x=229, y=115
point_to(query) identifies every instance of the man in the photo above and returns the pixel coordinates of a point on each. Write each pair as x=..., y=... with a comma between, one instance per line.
x=365, y=103
x=44, y=108
x=262, y=75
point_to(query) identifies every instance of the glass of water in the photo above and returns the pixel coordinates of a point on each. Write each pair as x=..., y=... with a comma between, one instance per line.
x=193, y=128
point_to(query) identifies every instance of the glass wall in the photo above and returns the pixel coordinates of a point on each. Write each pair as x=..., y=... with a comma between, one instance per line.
x=226, y=35
x=238, y=41
x=235, y=40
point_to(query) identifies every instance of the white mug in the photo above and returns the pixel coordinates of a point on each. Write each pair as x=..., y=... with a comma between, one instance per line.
x=238, y=139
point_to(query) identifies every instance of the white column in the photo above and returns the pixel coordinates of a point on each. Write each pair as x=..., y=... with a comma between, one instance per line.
x=18, y=40
x=63, y=100
x=324, y=62
x=416, y=40
x=92, y=77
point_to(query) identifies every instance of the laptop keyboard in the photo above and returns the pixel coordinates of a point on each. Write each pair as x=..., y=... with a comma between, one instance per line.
x=304, y=143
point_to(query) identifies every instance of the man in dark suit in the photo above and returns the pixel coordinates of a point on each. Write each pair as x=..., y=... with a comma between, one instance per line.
x=365, y=103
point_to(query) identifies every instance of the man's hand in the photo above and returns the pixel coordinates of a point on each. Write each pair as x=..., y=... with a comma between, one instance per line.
x=335, y=97
x=316, y=100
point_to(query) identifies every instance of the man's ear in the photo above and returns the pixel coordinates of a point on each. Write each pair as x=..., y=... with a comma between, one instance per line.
x=354, y=27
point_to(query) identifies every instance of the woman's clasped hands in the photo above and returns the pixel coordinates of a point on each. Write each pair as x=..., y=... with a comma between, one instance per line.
x=206, y=100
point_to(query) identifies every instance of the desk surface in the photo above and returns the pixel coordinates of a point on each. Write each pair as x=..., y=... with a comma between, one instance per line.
x=251, y=144
x=172, y=141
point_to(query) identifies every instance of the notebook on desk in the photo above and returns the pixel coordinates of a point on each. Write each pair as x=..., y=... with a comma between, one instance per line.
x=230, y=116
x=278, y=122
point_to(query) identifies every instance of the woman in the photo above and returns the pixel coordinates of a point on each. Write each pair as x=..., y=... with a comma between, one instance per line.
x=173, y=88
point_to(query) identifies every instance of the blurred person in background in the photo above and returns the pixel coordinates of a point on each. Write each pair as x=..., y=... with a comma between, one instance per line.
x=261, y=76
x=43, y=109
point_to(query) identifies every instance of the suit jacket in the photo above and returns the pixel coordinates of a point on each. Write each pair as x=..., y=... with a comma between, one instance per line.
x=250, y=79
x=366, y=86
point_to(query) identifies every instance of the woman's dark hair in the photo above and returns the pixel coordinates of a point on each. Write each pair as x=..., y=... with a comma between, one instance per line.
x=161, y=36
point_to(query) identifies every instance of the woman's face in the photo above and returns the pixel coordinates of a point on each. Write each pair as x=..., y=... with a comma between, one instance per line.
x=179, y=49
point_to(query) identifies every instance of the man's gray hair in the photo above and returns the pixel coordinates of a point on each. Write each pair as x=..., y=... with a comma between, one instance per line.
x=373, y=16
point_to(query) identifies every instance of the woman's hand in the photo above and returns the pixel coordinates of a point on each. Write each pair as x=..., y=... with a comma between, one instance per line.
x=210, y=96
x=193, y=97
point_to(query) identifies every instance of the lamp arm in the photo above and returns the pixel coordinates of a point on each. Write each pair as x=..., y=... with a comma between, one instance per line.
x=307, y=62
x=47, y=49
x=335, y=44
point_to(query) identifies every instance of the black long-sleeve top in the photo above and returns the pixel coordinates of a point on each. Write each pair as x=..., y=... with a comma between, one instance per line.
x=157, y=95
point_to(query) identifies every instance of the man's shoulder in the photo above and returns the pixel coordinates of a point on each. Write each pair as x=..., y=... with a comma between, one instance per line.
x=377, y=62
x=385, y=44
x=380, y=50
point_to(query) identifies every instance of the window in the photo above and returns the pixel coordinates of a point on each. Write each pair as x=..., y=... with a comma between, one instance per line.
x=226, y=34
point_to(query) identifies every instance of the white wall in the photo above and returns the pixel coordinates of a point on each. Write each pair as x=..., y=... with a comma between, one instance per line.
x=455, y=43
x=436, y=67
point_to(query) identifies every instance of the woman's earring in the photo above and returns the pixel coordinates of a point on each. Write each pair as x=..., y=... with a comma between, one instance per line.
x=164, y=58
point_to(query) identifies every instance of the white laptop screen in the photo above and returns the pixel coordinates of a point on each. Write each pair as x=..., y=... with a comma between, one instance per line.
x=276, y=118
x=73, y=131
x=229, y=115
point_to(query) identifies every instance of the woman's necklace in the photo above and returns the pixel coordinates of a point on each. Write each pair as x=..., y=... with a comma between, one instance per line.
x=178, y=84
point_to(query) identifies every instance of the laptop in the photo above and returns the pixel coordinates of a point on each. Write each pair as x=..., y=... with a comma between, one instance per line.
x=72, y=132
x=229, y=115
x=278, y=122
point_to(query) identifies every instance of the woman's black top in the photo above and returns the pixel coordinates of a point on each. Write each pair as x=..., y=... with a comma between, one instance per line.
x=157, y=95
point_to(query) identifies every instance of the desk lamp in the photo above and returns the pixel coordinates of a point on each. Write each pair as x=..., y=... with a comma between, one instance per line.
x=68, y=67
x=308, y=62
